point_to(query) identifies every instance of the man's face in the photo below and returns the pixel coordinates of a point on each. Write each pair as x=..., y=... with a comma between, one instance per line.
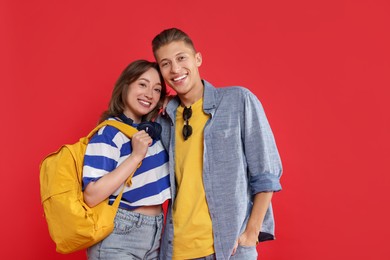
x=179, y=67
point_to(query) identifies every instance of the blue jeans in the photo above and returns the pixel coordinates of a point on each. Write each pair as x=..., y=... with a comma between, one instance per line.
x=209, y=257
x=242, y=253
x=245, y=253
x=135, y=236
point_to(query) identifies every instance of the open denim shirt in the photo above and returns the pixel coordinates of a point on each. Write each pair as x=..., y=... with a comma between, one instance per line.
x=240, y=159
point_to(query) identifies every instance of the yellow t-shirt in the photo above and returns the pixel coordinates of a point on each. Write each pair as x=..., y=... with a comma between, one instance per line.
x=193, y=233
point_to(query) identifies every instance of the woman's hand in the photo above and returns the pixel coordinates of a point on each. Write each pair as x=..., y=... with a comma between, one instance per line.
x=140, y=143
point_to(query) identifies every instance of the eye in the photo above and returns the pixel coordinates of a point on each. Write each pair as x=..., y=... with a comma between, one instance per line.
x=158, y=90
x=180, y=58
x=163, y=64
x=143, y=85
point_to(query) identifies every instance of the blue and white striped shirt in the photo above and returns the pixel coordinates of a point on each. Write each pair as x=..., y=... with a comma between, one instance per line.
x=108, y=148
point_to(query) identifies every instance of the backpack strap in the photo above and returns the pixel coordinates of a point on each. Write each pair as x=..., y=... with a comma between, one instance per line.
x=126, y=130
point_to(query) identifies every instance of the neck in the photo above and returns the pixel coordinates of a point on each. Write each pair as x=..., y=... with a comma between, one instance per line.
x=192, y=96
x=128, y=120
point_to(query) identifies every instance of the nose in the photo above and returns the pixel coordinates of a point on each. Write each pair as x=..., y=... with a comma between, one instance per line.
x=149, y=93
x=175, y=68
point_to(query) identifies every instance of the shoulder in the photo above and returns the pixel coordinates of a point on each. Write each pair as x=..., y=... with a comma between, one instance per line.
x=235, y=95
x=235, y=90
x=238, y=91
x=109, y=135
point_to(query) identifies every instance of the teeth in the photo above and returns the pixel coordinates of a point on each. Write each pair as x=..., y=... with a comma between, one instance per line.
x=180, y=78
x=145, y=103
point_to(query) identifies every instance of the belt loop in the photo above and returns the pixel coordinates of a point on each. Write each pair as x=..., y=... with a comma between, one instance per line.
x=159, y=221
x=139, y=221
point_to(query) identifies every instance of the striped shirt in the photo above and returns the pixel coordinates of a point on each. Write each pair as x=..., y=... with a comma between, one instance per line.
x=108, y=148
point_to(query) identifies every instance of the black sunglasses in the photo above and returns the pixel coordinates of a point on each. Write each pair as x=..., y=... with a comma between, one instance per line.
x=187, y=129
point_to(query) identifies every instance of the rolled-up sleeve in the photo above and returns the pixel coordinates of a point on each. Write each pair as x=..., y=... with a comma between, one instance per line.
x=262, y=156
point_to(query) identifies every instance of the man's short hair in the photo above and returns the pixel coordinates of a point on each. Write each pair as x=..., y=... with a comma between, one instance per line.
x=171, y=35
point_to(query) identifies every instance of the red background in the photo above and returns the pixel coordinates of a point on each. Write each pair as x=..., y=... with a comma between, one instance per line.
x=320, y=68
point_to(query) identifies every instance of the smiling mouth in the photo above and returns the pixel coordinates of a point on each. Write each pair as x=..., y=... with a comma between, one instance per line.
x=145, y=103
x=179, y=78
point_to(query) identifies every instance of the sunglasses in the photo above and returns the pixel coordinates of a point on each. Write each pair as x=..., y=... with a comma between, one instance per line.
x=187, y=129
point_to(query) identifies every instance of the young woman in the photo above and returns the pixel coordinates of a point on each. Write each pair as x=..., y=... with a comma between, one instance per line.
x=111, y=157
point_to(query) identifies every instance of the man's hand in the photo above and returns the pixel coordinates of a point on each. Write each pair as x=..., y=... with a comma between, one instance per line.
x=247, y=239
x=261, y=203
x=168, y=98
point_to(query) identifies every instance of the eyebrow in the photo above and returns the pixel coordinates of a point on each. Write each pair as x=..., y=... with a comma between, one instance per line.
x=144, y=79
x=177, y=54
x=165, y=59
x=159, y=83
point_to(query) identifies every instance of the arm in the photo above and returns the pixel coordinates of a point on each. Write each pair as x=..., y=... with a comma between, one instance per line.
x=264, y=167
x=260, y=205
x=249, y=237
x=96, y=192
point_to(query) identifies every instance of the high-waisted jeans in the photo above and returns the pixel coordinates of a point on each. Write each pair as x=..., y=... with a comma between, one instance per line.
x=135, y=236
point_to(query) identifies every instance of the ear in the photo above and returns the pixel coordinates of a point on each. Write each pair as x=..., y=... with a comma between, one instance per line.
x=198, y=59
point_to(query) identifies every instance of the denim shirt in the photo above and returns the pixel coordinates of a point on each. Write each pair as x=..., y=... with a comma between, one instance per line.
x=240, y=159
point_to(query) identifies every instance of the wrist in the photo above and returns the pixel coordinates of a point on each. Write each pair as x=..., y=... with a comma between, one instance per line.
x=254, y=226
x=136, y=158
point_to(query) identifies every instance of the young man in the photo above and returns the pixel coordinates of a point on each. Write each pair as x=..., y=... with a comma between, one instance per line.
x=224, y=163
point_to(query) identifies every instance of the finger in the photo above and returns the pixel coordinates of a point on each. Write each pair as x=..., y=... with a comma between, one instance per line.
x=146, y=139
x=141, y=135
x=235, y=248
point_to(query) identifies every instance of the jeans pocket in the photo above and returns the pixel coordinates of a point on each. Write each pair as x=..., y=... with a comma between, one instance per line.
x=123, y=227
x=246, y=252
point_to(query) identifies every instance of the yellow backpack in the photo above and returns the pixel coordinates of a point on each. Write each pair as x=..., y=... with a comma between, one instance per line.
x=72, y=224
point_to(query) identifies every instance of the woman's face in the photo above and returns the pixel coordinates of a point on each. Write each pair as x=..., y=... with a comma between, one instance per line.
x=143, y=95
